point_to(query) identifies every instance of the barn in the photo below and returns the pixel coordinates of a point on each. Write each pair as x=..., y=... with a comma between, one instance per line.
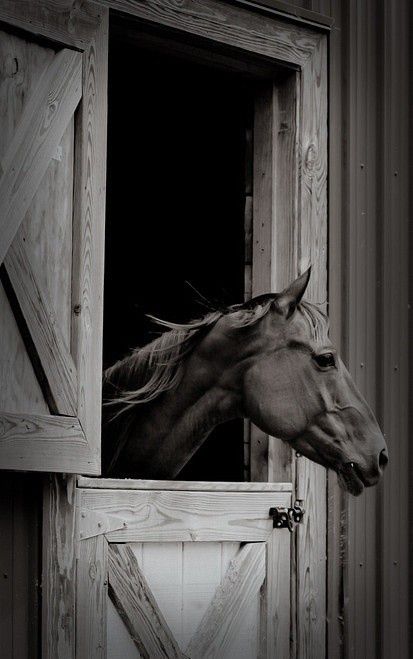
x=229, y=143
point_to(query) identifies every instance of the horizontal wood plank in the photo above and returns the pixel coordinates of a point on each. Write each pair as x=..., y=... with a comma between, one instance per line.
x=137, y=606
x=41, y=127
x=41, y=442
x=63, y=21
x=192, y=486
x=227, y=24
x=157, y=516
x=226, y=614
x=37, y=310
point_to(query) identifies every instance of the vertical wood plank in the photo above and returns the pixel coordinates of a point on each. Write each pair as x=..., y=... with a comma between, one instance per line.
x=59, y=568
x=285, y=223
x=88, y=235
x=92, y=595
x=6, y=566
x=276, y=598
x=263, y=211
x=311, y=478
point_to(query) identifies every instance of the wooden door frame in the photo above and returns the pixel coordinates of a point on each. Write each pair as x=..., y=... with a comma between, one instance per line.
x=289, y=233
x=109, y=512
x=291, y=204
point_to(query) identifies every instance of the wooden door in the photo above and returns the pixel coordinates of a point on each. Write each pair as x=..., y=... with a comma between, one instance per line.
x=191, y=570
x=52, y=199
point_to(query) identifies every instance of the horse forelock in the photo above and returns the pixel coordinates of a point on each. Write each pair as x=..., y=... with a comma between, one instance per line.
x=316, y=320
x=157, y=367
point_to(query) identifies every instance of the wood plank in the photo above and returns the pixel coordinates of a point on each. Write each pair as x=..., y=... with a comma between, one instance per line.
x=225, y=616
x=41, y=442
x=58, y=371
x=227, y=24
x=158, y=516
x=137, y=607
x=88, y=237
x=59, y=568
x=6, y=558
x=25, y=62
x=262, y=235
x=311, y=478
x=63, y=21
x=43, y=122
x=276, y=597
x=47, y=231
x=20, y=389
x=92, y=595
x=188, y=486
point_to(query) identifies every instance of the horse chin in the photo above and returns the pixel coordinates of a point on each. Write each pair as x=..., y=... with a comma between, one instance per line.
x=349, y=480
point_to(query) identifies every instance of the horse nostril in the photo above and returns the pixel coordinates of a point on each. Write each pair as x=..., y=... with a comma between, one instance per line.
x=383, y=459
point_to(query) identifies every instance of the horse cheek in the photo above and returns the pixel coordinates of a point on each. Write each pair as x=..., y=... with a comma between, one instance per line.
x=271, y=402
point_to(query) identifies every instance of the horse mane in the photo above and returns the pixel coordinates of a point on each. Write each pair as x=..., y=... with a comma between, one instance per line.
x=156, y=368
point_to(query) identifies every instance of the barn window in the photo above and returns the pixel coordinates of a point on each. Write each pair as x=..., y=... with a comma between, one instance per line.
x=179, y=199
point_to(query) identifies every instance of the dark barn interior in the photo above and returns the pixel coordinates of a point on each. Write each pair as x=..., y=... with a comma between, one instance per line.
x=175, y=209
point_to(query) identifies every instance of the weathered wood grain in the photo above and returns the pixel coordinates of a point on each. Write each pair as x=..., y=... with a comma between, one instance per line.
x=47, y=232
x=88, y=237
x=276, y=598
x=37, y=311
x=64, y=21
x=262, y=236
x=92, y=594
x=59, y=568
x=157, y=516
x=137, y=606
x=37, y=136
x=227, y=24
x=40, y=442
x=23, y=64
x=19, y=389
x=225, y=616
x=311, y=478
x=188, y=486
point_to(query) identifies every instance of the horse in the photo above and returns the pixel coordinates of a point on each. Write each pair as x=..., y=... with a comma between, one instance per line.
x=269, y=360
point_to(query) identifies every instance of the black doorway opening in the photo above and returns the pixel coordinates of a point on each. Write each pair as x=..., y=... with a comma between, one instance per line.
x=175, y=209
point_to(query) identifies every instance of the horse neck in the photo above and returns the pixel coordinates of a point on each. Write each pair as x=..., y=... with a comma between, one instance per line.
x=156, y=440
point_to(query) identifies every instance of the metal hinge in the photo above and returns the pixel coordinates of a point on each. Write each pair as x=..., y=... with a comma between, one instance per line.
x=287, y=518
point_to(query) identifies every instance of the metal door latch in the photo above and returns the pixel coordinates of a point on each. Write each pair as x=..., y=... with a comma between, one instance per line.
x=287, y=518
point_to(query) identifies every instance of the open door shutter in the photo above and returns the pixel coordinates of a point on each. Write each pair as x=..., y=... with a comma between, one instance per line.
x=52, y=201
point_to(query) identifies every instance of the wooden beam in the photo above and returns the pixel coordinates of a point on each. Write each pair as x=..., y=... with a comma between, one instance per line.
x=312, y=247
x=263, y=211
x=89, y=234
x=36, y=139
x=58, y=369
x=162, y=516
x=188, y=486
x=62, y=21
x=227, y=24
x=137, y=606
x=41, y=442
x=226, y=613
x=92, y=595
x=59, y=568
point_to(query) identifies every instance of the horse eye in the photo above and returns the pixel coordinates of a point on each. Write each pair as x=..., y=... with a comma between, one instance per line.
x=325, y=360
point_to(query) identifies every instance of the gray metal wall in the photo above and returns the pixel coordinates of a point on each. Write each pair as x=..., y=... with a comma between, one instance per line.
x=368, y=538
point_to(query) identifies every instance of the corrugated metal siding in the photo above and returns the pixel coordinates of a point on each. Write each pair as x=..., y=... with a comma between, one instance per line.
x=368, y=568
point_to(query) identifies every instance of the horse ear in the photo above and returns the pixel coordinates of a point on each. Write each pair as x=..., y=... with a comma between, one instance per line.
x=291, y=296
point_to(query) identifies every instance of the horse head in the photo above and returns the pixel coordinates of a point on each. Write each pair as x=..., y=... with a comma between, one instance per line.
x=296, y=388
